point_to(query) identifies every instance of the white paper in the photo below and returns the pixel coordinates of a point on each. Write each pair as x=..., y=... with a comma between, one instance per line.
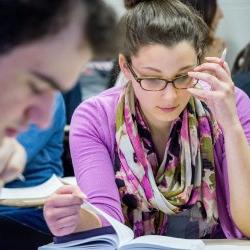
x=37, y=192
x=164, y=242
x=124, y=233
x=71, y=180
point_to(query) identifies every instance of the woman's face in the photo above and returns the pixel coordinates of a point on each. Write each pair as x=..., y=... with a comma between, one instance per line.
x=162, y=107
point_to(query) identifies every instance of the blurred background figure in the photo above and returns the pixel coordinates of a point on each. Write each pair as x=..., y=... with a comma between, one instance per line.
x=212, y=13
x=43, y=47
x=43, y=149
x=93, y=80
x=241, y=70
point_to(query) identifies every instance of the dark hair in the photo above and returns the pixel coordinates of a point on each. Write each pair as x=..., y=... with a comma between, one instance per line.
x=166, y=22
x=25, y=21
x=101, y=29
x=242, y=61
x=206, y=8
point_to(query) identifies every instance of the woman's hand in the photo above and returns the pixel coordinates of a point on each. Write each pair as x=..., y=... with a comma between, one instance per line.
x=221, y=97
x=62, y=210
x=12, y=160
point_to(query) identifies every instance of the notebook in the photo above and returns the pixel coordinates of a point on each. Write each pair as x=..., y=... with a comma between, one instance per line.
x=33, y=196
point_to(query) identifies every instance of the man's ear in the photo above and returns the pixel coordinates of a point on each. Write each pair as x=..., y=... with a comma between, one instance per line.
x=124, y=67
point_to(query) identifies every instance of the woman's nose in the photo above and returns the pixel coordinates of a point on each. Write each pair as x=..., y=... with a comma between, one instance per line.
x=170, y=92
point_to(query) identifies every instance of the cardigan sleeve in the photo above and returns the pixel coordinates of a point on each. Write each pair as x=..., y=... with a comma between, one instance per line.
x=92, y=160
x=223, y=198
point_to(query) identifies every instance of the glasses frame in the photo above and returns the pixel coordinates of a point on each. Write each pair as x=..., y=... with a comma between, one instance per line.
x=139, y=79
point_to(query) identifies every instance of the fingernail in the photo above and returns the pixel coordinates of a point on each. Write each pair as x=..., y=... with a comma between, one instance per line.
x=81, y=194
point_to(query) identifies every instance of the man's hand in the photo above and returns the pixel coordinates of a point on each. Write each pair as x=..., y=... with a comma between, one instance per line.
x=12, y=160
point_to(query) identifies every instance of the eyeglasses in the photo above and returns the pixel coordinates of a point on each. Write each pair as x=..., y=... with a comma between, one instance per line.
x=158, y=84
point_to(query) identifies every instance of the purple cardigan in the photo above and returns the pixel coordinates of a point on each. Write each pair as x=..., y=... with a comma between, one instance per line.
x=92, y=140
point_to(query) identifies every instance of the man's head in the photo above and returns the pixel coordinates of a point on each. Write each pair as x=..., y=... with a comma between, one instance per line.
x=43, y=46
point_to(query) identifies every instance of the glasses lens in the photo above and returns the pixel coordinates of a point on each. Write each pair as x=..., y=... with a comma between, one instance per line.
x=184, y=82
x=153, y=84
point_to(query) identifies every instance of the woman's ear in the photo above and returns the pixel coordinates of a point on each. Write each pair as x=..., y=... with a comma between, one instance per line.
x=124, y=67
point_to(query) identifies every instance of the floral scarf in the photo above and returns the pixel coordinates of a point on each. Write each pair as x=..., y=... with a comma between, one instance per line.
x=150, y=191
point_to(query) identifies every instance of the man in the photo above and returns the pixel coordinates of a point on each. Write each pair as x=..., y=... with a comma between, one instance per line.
x=43, y=148
x=43, y=46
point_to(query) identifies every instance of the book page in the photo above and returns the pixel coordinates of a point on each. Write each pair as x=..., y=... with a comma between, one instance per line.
x=97, y=242
x=37, y=192
x=124, y=233
x=164, y=242
x=71, y=180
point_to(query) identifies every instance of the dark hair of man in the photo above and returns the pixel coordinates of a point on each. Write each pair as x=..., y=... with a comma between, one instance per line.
x=26, y=21
x=166, y=22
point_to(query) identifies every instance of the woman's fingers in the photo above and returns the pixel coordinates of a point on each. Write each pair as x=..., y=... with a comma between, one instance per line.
x=201, y=94
x=215, y=70
x=69, y=221
x=62, y=210
x=210, y=97
x=208, y=78
x=71, y=189
x=219, y=61
x=63, y=200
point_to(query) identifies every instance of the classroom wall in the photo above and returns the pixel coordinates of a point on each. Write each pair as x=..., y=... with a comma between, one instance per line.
x=118, y=6
x=234, y=27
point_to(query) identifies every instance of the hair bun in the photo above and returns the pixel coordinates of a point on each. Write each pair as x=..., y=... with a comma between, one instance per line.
x=130, y=4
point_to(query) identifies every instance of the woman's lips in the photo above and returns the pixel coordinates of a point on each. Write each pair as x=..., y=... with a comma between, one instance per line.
x=168, y=109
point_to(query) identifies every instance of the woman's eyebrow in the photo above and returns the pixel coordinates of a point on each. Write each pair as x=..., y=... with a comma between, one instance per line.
x=159, y=71
x=187, y=67
x=152, y=69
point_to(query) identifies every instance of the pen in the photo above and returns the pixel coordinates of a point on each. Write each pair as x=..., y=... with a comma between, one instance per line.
x=223, y=56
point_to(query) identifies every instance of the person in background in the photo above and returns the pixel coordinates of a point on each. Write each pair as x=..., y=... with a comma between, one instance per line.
x=241, y=69
x=43, y=47
x=158, y=154
x=212, y=14
x=43, y=149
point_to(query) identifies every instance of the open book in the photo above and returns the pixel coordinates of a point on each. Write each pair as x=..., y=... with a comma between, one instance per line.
x=33, y=196
x=120, y=237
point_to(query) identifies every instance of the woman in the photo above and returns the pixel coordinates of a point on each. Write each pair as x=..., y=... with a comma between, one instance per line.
x=211, y=13
x=153, y=150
